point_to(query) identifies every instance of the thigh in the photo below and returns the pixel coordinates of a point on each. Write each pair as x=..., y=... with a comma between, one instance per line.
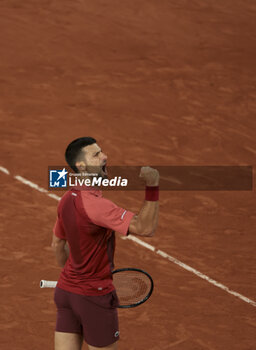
x=68, y=341
x=67, y=321
x=99, y=319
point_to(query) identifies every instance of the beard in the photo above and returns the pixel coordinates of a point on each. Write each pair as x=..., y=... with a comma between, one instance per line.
x=98, y=172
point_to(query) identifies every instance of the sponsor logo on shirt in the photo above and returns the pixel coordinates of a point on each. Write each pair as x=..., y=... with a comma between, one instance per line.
x=58, y=178
x=122, y=217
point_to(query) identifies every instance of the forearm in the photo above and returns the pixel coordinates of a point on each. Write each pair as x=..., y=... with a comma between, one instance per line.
x=62, y=254
x=145, y=223
x=147, y=218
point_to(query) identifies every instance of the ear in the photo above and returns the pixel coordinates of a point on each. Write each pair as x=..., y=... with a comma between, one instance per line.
x=81, y=166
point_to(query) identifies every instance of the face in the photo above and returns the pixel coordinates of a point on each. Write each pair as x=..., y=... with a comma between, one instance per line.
x=93, y=160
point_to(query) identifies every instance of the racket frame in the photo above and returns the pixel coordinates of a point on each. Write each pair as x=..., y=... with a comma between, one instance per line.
x=146, y=297
x=52, y=284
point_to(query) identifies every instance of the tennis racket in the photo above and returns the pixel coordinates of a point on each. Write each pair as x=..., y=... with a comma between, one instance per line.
x=133, y=286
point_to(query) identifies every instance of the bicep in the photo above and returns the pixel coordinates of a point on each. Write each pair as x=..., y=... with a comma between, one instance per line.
x=135, y=228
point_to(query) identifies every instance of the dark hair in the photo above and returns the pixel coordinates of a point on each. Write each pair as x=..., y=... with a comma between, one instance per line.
x=74, y=148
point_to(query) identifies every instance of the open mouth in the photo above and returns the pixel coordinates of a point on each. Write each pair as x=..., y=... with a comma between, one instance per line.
x=104, y=169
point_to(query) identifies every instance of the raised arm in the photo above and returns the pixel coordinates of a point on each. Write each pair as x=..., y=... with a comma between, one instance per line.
x=145, y=223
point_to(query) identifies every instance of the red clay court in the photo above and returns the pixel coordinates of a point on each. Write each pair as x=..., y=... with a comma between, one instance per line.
x=156, y=83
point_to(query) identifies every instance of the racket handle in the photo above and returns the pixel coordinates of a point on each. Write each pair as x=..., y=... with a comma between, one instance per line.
x=48, y=284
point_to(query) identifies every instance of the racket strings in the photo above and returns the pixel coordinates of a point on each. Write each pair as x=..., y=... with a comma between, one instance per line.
x=131, y=286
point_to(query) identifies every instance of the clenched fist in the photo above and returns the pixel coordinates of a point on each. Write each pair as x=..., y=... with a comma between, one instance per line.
x=150, y=175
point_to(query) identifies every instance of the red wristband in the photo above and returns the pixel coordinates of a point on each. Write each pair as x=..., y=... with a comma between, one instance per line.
x=152, y=193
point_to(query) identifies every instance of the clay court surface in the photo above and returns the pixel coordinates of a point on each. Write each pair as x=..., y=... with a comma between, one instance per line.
x=156, y=83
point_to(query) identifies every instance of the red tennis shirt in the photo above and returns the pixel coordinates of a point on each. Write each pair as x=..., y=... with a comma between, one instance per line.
x=88, y=222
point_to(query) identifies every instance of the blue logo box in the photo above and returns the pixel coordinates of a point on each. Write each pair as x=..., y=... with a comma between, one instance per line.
x=58, y=178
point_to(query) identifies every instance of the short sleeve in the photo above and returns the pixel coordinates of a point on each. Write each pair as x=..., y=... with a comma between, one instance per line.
x=58, y=229
x=103, y=212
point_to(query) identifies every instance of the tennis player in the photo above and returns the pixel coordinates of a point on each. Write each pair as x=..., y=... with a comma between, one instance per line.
x=84, y=243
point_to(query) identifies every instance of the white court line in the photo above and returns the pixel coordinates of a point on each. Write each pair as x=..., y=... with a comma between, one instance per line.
x=201, y=275
x=36, y=187
x=54, y=196
x=30, y=184
x=4, y=170
x=146, y=245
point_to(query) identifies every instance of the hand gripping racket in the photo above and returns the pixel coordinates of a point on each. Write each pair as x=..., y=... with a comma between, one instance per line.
x=133, y=286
